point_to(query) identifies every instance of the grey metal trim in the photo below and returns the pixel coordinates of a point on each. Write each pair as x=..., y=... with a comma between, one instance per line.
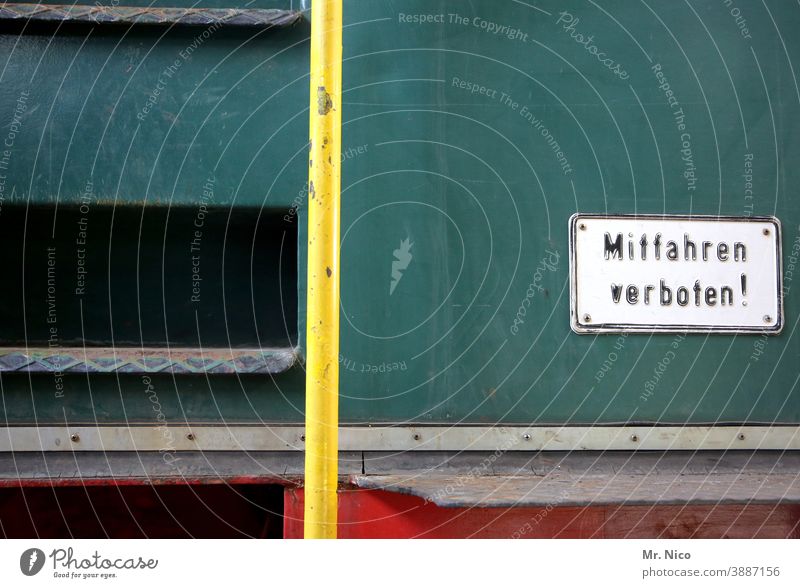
x=388, y=438
x=451, y=479
x=93, y=467
x=127, y=15
x=147, y=360
x=582, y=328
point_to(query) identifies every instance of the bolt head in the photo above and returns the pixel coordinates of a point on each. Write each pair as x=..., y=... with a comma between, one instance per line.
x=75, y=437
x=190, y=436
x=526, y=437
x=635, y=438
x=767, y=318
x=766, y=231
x=587, y=318
x=582, y=226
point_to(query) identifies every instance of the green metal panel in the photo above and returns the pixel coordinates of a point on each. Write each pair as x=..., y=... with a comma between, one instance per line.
x=475, y=181
x=150, y=114
x=467, y=146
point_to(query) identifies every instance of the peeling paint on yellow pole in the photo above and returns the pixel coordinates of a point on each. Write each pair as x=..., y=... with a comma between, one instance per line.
x=322, y=333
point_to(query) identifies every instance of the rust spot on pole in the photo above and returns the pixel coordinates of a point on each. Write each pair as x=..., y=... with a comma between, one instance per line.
x=324, y=102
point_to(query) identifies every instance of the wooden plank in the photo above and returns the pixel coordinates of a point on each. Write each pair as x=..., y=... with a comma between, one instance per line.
x=586, y=478
x=376, y=514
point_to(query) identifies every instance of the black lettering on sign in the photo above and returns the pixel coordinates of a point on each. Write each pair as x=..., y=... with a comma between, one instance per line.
x=683, y=295
x=614, y=247
x=632, y=294
x=672, y=250
x=616, y=292
x=613, y=250
x=666, y=294
x=679, y=249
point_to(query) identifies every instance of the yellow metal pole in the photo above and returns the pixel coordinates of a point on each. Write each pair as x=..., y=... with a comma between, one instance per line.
x=322, y=333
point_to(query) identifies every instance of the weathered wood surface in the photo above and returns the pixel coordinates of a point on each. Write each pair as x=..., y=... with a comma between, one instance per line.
x=467, y=479
x=578, y=479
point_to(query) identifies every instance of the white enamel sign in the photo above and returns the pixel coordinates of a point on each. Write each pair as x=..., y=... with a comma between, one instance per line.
x=675, y=273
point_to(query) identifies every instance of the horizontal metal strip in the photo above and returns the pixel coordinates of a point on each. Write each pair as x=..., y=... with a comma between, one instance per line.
x=641, y=488
x=465, y=479
x=147, y=360
x=129, y=15
x=283, y=438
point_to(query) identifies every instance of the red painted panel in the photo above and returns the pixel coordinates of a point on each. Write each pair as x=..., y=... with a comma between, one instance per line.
x=377, y=514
